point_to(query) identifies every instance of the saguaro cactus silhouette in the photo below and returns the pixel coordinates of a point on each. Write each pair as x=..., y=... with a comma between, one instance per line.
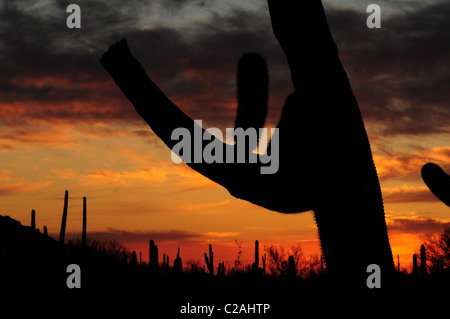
x=33, y=219
x=437, y=181
x=177, y=263
x=326, y=163
x=83, y=233
x=255, y=265
x=153, y=255
x=423, y=260
x=210, y=261
x=62, y=232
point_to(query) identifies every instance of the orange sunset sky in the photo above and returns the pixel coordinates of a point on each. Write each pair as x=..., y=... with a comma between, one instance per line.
x=65, y=125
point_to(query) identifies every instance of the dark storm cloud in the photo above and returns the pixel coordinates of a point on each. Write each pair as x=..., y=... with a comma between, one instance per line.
x=400, y=73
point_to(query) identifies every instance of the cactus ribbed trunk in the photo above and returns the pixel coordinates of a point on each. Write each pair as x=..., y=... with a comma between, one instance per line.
x=62, y=232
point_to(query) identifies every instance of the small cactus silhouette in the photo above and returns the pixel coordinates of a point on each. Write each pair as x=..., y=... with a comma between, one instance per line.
x=83, y=234
x=62, y=232
x=437, y=181
x=292, y=270
x=177, y=263
x=423, y=260
x=210, y=261
x=153, y=255
x=33, y=219
x=255, y=265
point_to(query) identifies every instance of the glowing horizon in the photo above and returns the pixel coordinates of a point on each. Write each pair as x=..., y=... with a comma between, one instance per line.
x=66, y=126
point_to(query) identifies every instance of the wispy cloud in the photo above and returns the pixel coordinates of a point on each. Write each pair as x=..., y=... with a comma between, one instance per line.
x=416, y=225
x=408, y=166
x=408, y=194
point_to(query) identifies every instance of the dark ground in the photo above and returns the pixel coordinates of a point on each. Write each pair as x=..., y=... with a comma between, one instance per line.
x=33, y=269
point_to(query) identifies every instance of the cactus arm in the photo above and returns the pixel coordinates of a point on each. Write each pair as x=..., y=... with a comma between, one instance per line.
x=243, y=181
x=437, y=181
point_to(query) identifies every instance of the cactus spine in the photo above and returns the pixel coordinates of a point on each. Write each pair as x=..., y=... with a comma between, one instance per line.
x=210, y=261
x=321, y=263
x=62, y=233
x=83, y=233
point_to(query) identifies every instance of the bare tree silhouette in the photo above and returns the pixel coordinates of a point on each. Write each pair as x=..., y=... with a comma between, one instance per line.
x=438, y=250
x=326, y=162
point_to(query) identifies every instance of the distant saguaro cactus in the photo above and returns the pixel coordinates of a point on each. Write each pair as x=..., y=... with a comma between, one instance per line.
x=83, y=234
x=437, y=181
x=133, y=261
x=255, y=265
x=423, y=260
x=177, y=263
x=153, y=255
x=33, y=219
x=210, y=261
x=45, y=231
x=221, y=269
x=292, y=270
x=62, y=232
